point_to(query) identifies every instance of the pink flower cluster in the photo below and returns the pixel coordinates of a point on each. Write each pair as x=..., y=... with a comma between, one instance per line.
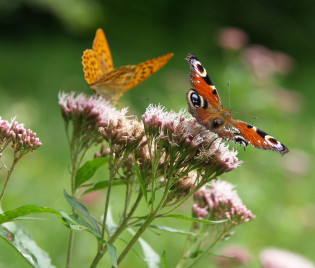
x=182, y=132
x=22, y=140
x=232, y=38
x=279, y=258
x=265, y=62
x=93, y=111
x=235, y=257
x=220, y=201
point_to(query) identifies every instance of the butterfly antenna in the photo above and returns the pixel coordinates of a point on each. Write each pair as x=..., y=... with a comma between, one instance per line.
x=250, y=116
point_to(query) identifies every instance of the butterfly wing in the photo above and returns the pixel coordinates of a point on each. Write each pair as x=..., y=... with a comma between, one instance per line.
x=205, y=105
x=202, y=83
x=244, y=133
x=113, y=84
x=98, y=60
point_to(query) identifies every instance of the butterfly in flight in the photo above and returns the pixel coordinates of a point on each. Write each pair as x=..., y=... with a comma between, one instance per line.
x=205, y=105
x=111, y=83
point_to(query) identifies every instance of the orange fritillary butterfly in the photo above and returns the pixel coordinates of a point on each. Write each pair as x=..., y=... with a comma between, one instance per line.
x=111, y=83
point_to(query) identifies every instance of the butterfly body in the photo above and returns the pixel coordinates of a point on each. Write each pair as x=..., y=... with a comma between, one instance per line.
x=111, y=83
x=205, y=105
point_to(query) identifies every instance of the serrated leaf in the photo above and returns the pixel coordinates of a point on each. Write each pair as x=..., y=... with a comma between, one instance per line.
x=186, y=218
x=112, y=254
x=81, y=208
x=150, y=256
x=87, y=171
x=140, y=179
x=22, y=242
x=102, y=185
x=171, y=230
x=164, y=259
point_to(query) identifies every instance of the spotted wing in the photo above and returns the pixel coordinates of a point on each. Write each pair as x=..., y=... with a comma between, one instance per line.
x=202, y=83
x=98, y=60
x=113, y=84
x=244, y=133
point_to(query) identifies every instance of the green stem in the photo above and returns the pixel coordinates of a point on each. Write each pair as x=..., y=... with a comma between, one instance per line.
x=120, y=229
x=144, y=226
x=70, y=246
x=101, y=246
x=207, y=249
x=187, y=196
x=16, y=159
x=125, y=222
x=182, y=258
x=127, y=197
x=75, y=152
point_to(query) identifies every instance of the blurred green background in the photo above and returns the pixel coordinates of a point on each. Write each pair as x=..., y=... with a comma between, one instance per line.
x=40, y=54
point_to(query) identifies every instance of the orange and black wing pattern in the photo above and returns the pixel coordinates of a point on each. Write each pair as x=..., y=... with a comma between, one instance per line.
x=111, y=83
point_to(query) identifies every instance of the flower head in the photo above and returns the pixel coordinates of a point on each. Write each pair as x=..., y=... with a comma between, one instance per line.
x=125, y=134
x=232, y=38
x=87, y=114
x=235, y=256
x=93, y=110
x=265, y=62
x=278, y=258
x=22, y=140
x=193, y=145
x=220, y=201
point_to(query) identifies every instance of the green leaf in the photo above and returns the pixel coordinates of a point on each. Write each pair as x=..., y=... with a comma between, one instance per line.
x=186, y=218
x=22, y=242
x=77, y=223
x=140, y=179
x=112, y=254
x=81, y=208
x=164, y=259
x=17, y=213
x=87, y=171
x=172, y=230
x=110, y=223
x=102, y=185
x=150, y=256
x=71, y=222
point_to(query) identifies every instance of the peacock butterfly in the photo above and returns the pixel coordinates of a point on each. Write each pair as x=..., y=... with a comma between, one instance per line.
x=205, y=105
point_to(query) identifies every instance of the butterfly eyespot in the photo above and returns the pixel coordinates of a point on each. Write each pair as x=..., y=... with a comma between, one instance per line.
x=271, y=139
x=195, y=99
x=199, y=68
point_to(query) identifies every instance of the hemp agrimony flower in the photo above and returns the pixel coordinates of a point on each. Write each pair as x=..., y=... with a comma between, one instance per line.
x=233, y=256
x=87, y=114
x=21, y=140
x=185, y=145
x=220, y=201
x=217, y=202
x=276, y=258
